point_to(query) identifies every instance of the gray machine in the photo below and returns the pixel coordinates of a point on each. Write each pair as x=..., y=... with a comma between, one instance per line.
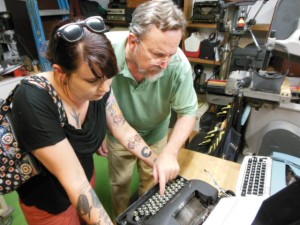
x=9, y=54
x=274, y=118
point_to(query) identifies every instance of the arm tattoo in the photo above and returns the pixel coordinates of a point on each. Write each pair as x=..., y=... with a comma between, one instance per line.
x=84, y=208
x=134, y=141
x=115, y=111
x=76, y=117
x=146, y=152
x=95, y=200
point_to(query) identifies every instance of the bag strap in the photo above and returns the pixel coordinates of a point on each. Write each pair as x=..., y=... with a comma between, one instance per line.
x=43, y=83
x=5, y=104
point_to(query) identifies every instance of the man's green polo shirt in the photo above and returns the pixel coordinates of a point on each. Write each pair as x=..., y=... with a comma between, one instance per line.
x=147, y=106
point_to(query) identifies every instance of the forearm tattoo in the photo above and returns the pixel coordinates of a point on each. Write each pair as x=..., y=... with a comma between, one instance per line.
x=84, y=207
x=134, y=141
x=95, y=201
x=146, y=152
x=115, y=111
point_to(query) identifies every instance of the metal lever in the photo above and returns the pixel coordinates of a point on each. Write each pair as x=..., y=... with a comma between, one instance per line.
x=223, y=192
x=254, y=39
x=253, y=21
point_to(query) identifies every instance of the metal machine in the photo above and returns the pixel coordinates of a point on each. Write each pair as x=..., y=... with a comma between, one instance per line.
x=9, y=54
x=273, y=116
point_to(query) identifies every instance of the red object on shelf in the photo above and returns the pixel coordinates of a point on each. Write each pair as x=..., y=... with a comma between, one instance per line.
x=192, y=54
x=191, y=46
x=22, y=71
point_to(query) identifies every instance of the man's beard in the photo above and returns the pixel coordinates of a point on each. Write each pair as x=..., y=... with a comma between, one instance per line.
x=153, y=74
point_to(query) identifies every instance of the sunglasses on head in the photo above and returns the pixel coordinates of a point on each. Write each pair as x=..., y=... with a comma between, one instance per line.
x=73, y=32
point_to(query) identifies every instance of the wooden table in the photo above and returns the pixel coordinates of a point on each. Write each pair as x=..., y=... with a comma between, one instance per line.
x=192, y=165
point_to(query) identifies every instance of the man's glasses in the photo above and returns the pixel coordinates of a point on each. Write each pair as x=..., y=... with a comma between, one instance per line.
x=73, y=32
x=158, y=61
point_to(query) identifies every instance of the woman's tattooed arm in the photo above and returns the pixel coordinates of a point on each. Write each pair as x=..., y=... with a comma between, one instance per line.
x=126, y=134
x=89, y=203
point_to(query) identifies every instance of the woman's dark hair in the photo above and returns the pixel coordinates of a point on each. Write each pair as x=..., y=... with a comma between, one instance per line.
x=92, y=48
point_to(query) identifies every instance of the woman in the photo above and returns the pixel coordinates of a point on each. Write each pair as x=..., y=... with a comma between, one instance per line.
x=83, y=66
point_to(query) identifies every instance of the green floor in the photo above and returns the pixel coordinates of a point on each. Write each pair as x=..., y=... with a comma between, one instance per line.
x=102, y=189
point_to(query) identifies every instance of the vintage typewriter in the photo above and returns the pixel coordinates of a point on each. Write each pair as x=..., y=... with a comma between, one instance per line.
x=255, y=176
x=205, y=12
x=186, y=202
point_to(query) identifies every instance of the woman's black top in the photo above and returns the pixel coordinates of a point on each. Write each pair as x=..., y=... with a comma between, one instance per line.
x=37, y=124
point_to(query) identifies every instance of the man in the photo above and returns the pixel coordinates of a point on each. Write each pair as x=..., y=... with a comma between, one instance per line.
x=155, y=77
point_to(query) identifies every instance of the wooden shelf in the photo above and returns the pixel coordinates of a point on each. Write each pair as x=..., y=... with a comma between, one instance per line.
x=201, y=25
x=188, y=6
x=261, y=27
x=204, y=61
x=257, y=27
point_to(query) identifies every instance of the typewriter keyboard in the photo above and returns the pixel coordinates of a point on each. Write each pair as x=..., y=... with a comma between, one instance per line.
x=255, y=176
x=155, y=202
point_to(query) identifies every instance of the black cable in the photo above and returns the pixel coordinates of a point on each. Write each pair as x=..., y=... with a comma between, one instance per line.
x=218, y=70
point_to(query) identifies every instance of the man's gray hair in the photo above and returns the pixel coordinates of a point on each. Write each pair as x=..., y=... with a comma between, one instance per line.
x=164, y=14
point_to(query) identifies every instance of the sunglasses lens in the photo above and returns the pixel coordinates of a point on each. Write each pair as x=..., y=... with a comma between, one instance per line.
x=72, y=32
x=95, y=24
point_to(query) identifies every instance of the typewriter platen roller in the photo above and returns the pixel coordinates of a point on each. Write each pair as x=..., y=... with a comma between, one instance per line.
x=186, y=202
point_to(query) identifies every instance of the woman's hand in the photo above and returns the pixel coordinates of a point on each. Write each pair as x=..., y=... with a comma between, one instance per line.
x=103, y=150
x=166, y=168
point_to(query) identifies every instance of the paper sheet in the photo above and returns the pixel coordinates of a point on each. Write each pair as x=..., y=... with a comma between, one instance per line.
x=235, y=211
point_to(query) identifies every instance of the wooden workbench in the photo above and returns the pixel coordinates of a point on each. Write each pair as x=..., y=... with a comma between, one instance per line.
x=192, y=165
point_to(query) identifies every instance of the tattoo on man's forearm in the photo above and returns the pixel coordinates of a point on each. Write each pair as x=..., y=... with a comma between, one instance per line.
x=146, y=152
